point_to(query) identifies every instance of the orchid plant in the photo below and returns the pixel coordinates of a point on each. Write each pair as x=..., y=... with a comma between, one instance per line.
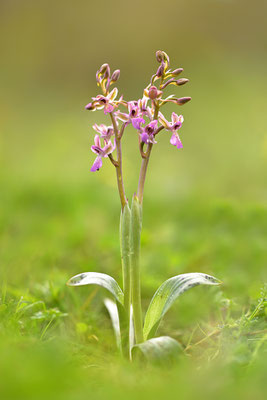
x=133, y=334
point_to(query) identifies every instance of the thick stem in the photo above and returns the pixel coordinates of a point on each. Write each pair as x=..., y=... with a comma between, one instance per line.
x=119, y=163
x=136, y=226
x=125, y=224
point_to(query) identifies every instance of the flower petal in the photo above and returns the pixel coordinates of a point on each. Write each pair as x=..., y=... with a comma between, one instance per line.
x=137, y=122
x=113, y=94
x=121, y=116
x=108, y=148
x=144, y=137
x=108, y=108
x=175, y=118
x=97, y=164
x=97, y=141
x=153, y=124
x=175, y=141
x=163, y=121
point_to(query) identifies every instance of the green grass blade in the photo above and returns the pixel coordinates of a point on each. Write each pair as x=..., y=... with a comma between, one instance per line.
x=96, y=278
x=166, y=295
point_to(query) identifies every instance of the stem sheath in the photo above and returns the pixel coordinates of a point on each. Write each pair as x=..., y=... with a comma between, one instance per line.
x=136, y=226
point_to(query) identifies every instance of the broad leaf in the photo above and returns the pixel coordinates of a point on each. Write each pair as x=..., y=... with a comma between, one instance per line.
x=114, y=316
x=96, y=278
x=166, y=295
x=160, y=349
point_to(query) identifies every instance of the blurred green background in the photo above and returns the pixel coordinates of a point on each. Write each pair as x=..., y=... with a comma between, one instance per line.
x=204, y=208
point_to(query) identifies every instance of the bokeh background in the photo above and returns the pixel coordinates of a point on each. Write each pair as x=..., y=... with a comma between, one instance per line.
x=205, y=205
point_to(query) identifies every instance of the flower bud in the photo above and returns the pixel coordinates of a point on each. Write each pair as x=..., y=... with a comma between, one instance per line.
x=98, y=77
x=104, y=68
x=177, y=71
x=107, y=73
x=182, y=100
x=159, y=56
x=181, y=81
x=115, y=76
x=90, y=106
x=153, y=92
x=160, y=70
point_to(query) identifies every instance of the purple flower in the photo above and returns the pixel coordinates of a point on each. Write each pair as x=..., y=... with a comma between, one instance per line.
x=107, y=102
x=173, y=126
x=105, y=131
x=133, y=109
x=136, y=111
x=147, y=133
x=137, y=122
x=101, y=152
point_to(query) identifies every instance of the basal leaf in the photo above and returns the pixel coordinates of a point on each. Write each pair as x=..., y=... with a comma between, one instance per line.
x=112, y=308
x=160, y=349
x=96, y=278
x=167, y=293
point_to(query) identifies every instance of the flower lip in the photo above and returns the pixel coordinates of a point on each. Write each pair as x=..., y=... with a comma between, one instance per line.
x=101, y=152
x=175, y=141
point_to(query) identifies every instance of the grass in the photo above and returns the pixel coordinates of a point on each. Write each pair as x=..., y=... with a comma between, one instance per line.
x=57, y=342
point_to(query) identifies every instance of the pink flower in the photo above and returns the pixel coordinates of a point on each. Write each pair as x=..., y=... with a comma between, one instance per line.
x=105, y=131
x=136, y=111
x=147, y=133
x=101, y=152
x=173, y=126
x=107, y=102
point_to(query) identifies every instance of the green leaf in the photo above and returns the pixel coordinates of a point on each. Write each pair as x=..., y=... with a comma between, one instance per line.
x=112, y=308
x=166, y=295
x=96, y=278
x=160, y=349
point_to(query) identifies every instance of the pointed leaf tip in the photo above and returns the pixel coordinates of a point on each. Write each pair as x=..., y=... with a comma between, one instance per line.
x=166, y=295
x=96, y=278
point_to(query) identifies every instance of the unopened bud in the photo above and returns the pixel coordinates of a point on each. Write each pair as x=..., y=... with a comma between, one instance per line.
x=115, y=76
x=98, y=77
x=182, y=81
x=182, y=100
x=162, y=56
x=107, y=73
x=153, y=92
x=177, y=71
x=90, y=106
x=103, y=68
x=160, y=70
x=159, y=56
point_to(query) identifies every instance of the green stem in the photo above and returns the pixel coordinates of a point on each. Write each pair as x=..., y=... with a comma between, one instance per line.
x=145, y=161
x=136, y=226
x=142, y=176
x=125, y=259
x=119, y=162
